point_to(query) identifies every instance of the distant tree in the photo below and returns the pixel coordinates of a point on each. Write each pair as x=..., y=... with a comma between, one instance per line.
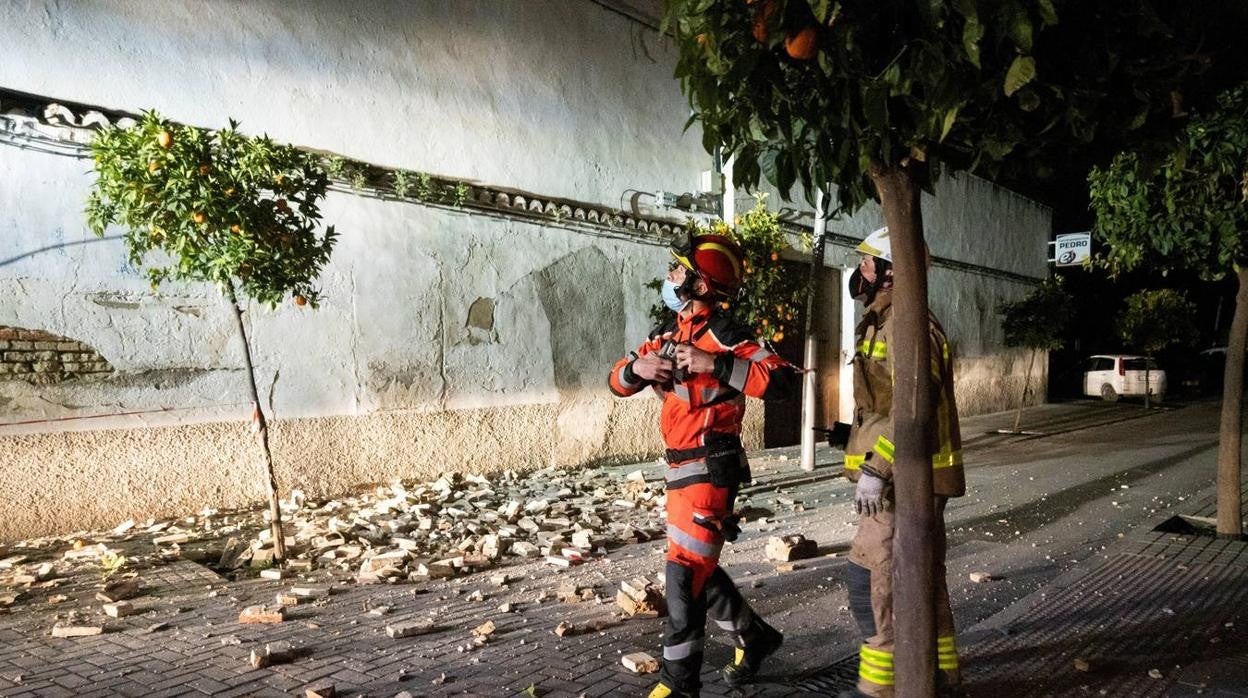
x=1190, y=211
x=217, y=206
x=1037, y=322
x=1154, y=320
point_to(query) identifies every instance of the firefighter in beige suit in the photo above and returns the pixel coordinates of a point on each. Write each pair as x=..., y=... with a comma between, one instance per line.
x=869, y=462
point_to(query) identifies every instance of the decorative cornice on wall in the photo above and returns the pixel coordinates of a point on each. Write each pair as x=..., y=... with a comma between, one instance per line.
x=63, y=128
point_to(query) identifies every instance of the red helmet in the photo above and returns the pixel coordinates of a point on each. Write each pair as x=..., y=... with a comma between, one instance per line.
x=716, y=259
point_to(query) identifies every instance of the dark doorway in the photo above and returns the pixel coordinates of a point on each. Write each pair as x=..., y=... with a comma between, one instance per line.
x=782, y=421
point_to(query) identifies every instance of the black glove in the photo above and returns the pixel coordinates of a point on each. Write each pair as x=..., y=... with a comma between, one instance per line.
x=837, y=436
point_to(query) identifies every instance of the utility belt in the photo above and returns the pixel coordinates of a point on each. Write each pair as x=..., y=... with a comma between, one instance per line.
x=720, y=462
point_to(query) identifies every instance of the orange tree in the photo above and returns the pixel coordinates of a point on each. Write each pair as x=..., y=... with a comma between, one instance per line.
x=236, y=211
x=1190, y=211
x=771, y=300
x=876, y=97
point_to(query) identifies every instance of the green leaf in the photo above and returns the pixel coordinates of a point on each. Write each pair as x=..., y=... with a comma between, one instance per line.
x=971, y=34
x=1021, y=72
x=821, y=8
x=951, y=117
x=1048, y=13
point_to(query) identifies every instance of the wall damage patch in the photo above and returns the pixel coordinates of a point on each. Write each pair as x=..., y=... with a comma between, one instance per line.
x=40, y=357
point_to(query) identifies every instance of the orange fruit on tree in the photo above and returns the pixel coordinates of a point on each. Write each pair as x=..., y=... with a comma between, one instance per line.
x=204, y=169
x=153, y=166
x=235, y=228
x=779, y=337
x=164, y=139
x=802, y=44
x=763, y=15
x=775, y=256
x=301, y=301
x=229, y=192
x=198, y=217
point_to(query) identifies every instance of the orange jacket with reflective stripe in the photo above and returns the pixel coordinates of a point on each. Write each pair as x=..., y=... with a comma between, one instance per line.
x=697, y=404
x=870, y=437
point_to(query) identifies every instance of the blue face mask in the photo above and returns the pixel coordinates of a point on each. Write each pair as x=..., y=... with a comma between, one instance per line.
x=670, y=298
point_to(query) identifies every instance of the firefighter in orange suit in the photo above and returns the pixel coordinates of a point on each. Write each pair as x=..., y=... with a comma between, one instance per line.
x=703, y=365
x=869, y=463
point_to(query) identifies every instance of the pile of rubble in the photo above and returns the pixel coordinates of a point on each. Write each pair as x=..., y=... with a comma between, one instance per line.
x=395, y=532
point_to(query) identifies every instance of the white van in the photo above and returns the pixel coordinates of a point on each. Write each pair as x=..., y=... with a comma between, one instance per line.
x=1111, y=376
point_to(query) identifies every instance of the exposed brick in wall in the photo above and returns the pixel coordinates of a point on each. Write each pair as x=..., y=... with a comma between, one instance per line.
x=36, y=356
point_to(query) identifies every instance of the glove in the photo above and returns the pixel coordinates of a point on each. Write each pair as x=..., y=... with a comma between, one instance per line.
x=869, y=497
x=837, y=436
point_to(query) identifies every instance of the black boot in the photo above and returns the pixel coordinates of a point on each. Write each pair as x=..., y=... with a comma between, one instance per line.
x=763, y=640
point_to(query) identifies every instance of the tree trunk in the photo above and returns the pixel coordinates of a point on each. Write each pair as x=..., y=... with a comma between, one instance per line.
x=810, y=382
x=1018, y=417
x=262, y=427
x=1230, y=428
x=914, y=590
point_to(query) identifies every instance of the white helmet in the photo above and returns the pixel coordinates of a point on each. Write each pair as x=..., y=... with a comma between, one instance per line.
x=877, y=244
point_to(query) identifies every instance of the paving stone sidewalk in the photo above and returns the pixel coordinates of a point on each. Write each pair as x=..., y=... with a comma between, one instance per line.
x=187, y=639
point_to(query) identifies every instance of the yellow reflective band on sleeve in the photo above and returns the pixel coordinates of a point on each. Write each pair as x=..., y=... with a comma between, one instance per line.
x=945, y=642
x=885, y=448
x=879, y=658
x=947, y=459
x=854, y=462
x=875, y=349
x=944, y=664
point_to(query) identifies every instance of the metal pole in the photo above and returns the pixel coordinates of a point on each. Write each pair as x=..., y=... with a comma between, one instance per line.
x=810, y=380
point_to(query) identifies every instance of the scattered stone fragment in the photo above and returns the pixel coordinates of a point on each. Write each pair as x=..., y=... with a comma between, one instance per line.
x=120, y=591
x=272, y=653
x=637, y=597
x=640, y=663
x=287, y=599
x=564, y=629
x=10, y=562
x=76, y=630
x=413, y=629
x=499, y=580
x=121, y=609
x=321, y=689
x=301, y=566
x=171, y=539
x=45, y=572
x=58, y=598
x=558, y=561
x=155, y=627
x=981, y=577
x=311, y=592
x=1155, y=673
x=378, y=610
x=1082, y=664
x=8, y=598
x=790, y=548
x=271, y=573
x=505, y=608
x=485, y=629
x=789, y=567
x=262, y=615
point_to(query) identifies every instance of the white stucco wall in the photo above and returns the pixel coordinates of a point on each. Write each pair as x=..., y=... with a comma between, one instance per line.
x=446, y=339
x=561, y=97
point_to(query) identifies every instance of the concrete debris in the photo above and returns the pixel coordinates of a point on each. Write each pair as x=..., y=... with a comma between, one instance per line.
x=288, y=599
x=789, y=567
x=1082, y=664
x=321, y=689
x=9, y=598
x=485, y=629
x=790, y=548
x=637, y=597
x=401, y=630
x=981, y=577
x=76, y=630
x=121, y=609
x=120, y=590
x=378, y=610
x=1155, y=673
x=640, y=663
x=505, y=608
x=272, y=653
x=395, y=532
x=312, y=592
x=262, y=615
x=565, y=629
